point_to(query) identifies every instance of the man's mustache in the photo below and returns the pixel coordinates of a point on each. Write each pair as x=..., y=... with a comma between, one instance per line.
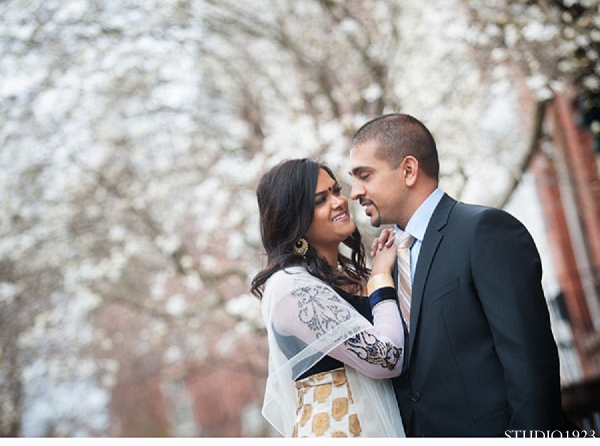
x=365, y=201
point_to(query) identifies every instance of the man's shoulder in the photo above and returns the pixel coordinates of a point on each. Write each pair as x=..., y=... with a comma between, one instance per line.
x=467, y=216
x=473, y=216
x=474, y=210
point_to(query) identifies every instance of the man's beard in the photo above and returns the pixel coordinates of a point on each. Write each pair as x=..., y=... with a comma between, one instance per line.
x=377, y=222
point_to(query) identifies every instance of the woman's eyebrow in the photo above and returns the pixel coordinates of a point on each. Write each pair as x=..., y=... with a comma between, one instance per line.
x=329, y=189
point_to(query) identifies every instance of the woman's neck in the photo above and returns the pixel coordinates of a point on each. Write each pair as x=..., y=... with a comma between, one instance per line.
x=330, y=256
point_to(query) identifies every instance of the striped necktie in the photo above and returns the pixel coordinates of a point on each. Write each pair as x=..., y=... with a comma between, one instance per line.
x=403, y=243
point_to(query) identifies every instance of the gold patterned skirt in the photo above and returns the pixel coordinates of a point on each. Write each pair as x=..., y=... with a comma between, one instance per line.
x=326, y=407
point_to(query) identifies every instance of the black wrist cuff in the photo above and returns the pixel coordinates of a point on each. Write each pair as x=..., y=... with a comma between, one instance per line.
x=381, y=294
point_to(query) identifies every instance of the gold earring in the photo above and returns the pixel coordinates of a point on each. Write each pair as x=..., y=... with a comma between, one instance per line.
x=301, y=247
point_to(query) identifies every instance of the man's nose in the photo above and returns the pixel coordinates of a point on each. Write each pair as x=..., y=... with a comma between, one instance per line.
x=356, y=192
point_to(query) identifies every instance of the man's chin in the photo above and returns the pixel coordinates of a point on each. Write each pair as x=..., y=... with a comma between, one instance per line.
x=376, y=221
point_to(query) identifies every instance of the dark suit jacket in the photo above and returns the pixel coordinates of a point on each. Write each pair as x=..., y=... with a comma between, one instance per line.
x=481, y=357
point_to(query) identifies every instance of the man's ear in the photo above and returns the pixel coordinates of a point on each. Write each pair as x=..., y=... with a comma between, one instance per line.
x=410, y=170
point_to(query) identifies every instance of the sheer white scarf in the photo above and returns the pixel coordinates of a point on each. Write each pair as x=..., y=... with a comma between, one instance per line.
x=330, y=320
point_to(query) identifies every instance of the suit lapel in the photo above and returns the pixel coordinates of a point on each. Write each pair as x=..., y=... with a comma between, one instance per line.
x=433, y=236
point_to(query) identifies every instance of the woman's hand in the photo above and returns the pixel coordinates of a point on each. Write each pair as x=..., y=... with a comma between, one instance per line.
x=387, y=238
x=385, y=259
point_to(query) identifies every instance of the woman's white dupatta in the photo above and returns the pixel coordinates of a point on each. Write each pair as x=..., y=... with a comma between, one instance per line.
x=296, y=302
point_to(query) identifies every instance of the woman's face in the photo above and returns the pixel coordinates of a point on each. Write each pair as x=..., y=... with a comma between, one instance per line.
x=331, y=222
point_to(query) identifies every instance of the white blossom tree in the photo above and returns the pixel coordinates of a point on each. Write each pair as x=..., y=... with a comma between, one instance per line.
x=133, y=136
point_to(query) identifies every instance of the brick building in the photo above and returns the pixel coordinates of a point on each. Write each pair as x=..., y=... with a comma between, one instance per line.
x=566, y=171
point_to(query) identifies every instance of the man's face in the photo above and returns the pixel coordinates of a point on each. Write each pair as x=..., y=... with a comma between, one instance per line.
x=377, y=186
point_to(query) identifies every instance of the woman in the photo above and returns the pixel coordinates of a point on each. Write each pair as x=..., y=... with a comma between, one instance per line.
x=330, y=346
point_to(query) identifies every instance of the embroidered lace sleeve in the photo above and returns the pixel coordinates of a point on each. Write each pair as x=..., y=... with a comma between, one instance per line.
x=308, y=310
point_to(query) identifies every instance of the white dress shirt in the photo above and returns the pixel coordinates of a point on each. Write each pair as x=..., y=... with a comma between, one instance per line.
x=417, y=225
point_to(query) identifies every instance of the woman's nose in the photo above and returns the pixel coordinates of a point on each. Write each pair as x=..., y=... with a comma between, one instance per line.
x=338, y=201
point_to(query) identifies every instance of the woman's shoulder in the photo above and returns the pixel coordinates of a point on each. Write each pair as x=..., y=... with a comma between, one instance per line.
x=288, y=274
x=290, y=278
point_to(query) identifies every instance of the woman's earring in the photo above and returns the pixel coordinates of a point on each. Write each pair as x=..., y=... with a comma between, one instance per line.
x=301, y=247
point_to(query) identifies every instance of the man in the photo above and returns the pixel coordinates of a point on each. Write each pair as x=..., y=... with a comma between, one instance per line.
x=480, y=359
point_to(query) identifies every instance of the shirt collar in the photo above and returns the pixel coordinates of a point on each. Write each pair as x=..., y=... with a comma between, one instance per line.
x=417, y=225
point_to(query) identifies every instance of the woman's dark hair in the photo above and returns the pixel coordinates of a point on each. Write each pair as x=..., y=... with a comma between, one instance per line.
x=286, y=203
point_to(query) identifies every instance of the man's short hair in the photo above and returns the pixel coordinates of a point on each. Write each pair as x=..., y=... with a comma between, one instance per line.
x=399, y=135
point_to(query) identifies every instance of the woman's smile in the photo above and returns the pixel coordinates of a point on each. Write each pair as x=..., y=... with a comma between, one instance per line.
x=342, y=217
